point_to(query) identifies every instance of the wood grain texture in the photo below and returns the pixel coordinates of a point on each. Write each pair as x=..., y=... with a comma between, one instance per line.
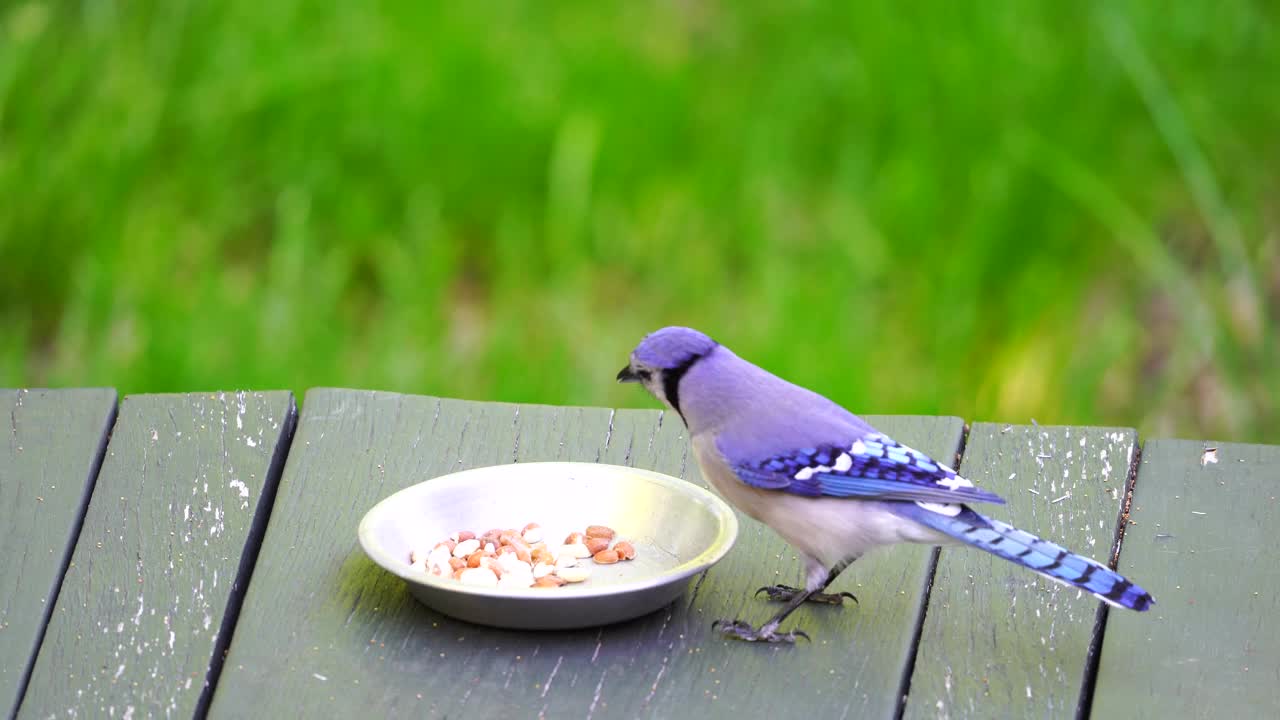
x=326, y=632
x=168, y=540
x=1203, y=538
x=1000, y=640
x=48, y=463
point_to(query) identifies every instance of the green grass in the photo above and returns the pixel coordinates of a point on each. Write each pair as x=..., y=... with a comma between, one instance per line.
x=999, y=210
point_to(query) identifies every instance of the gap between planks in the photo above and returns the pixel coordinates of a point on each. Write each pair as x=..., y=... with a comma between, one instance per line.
x=904, y=685
x=248, y=560
x=1084, y=706
x=64, y=563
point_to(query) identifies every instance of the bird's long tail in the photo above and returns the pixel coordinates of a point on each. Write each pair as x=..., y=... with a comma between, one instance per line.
x=1048, y=559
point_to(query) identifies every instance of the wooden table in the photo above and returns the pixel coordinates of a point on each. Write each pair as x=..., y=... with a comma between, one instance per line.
x=193, y=555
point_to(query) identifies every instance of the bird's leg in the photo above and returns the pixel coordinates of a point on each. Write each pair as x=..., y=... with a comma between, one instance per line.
x=784, y=593
x=819, y=578
x=767, y=632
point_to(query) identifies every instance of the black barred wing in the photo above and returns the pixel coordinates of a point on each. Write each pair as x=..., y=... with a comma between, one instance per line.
x=870, y=467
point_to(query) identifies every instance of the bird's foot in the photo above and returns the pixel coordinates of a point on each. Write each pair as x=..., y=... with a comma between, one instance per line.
x=786, y=593
x=768, y=633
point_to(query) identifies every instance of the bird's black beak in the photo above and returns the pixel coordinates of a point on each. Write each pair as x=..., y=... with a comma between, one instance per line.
x=627, y=375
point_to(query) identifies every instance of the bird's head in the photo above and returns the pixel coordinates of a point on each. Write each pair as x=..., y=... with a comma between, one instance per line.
x=663, y=357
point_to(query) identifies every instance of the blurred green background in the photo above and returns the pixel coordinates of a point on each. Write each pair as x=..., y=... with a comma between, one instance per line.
x=1000, y=210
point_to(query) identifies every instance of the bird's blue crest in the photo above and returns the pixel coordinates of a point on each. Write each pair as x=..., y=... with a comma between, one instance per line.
x=671, y=347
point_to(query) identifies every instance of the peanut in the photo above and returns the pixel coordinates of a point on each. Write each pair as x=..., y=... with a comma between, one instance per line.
x=577, y=550
x=438, y=562
x=625, y=550
x=466, y=547
x=532, y=533
x=491, y=564
x=522, y=549
x=511, y=563
x=516, y=579
x=600, y=531
x=478, y=576
x=513, y=558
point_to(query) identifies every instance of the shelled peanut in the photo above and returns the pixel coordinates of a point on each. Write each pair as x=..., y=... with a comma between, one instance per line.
x=520, y=558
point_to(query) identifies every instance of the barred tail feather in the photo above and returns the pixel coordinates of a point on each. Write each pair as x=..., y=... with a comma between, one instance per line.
x=1029, y=551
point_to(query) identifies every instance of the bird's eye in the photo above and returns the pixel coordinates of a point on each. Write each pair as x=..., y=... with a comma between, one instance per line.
x=644, y=374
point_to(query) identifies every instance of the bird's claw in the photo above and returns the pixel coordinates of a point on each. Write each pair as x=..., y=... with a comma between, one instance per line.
x=780, y=593
x=834, y=598
x=743, y=631
x=786, y=593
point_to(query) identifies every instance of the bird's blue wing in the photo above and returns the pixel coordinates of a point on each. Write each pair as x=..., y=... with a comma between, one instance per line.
x=869, y=467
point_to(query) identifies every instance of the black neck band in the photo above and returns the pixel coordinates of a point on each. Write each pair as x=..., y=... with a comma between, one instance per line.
x=671, y=382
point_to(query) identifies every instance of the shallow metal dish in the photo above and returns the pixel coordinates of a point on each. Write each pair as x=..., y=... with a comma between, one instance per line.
x=678, y=530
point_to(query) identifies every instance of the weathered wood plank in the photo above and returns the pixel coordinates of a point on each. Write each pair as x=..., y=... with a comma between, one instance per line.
x=48, y=464
x=1204, y=537
x=168, y=542
x=324, y=631
x=1000, y=640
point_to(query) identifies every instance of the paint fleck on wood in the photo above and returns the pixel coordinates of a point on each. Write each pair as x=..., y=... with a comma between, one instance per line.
x=166, y=546
x=999, y=639
x=53, y=442
x=1205, y=541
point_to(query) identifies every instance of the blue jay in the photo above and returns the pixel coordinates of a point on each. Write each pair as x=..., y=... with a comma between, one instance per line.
x=830, y=484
